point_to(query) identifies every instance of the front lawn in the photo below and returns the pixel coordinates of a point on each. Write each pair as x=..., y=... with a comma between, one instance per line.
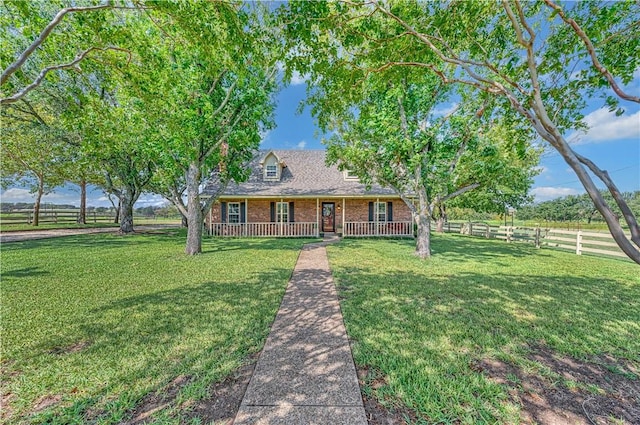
x=490, y=332
x=94, y=326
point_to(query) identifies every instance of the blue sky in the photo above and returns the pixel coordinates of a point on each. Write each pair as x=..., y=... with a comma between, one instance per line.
x=613, y=143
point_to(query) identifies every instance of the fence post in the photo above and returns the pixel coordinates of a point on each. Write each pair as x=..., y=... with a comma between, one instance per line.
x=538, y=237
x=487, y=232
x=579, y=243
x=509, y=231
x=470, y=229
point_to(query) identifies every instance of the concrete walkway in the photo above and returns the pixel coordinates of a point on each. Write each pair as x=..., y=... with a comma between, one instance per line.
x=305, y=374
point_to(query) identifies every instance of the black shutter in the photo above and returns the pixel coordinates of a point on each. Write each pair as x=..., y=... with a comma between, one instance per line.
x=370, y=211
x=243, y=212
x=291, y=220
x=389, y=211
x=272, y=212
x=223, y=212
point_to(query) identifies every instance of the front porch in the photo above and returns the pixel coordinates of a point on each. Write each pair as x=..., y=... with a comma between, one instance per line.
x=305, y=217
x=310, y=229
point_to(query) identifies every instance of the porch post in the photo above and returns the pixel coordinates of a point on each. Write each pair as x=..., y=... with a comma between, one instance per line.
x=375, y=212
x=211, y=220
x=280, y=217
x=246, y=217
x=317, y=217
x=343, y=215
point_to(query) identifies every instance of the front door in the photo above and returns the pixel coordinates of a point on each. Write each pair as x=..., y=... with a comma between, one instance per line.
x=328, y=216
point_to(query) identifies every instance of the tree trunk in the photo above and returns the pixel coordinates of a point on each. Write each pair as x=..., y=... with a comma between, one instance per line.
x=184, y=221
x=440, y=225
x=194, y=211
x=82, y=215
x=423, y=239
x=36, y=205
x=126, y=211
x=601, y=205
x=116, y=219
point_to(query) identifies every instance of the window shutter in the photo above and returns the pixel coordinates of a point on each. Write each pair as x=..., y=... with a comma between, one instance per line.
x=273, y=212
x=291, y=220
x=389, y=211
x=243, y=212
x=223, y=212
x=370, y=211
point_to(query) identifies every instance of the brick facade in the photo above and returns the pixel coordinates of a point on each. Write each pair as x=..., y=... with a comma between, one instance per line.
x=355, y=210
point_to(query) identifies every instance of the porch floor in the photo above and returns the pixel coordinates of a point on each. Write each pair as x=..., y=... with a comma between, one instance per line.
x=305, y=373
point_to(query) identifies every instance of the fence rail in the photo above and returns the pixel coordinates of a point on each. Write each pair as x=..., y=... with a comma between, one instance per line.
x=367, y=229
x=301, y=229
x=48, y=216
x=576, y=241
x=59, y=217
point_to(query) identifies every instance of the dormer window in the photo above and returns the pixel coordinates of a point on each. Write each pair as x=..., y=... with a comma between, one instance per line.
x=272, y=171
x=349, y=175
x=272, y=167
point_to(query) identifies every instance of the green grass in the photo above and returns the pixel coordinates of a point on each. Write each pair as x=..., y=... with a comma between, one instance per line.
x=422, y=325
x=101, y=321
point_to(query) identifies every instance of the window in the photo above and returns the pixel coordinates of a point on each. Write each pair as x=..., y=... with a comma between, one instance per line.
x=233, y=212
x=349, y=175
x=381, y=211
x=272, y=171
x=282, y=212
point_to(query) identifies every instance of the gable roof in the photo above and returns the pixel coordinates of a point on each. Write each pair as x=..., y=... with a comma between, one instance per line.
x=305, y=173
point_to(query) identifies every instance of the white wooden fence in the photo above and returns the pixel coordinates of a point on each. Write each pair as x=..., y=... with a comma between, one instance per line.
x=577, y=241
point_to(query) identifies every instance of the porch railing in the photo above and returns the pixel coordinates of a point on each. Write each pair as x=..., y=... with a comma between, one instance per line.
x=239, y=230
x=371, y=228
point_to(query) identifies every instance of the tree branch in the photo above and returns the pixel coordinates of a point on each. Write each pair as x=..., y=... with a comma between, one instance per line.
x=459, y=192
x=617, y=196
x=48, y=69
x=592, y=53
x=44, y=34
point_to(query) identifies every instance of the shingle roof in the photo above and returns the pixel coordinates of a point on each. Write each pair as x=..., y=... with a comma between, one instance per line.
x=305, y=173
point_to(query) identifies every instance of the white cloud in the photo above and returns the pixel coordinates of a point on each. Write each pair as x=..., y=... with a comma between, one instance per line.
x=301, y=144
x=264, y=136
x=63, y=196
x=605, y=126
x=17, y=195
x=546, y=193
x=542, y=169
x=297, y=78
x=444, y=110
x=149, y=199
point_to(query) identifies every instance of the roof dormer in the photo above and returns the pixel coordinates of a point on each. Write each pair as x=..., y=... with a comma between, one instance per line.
x=271, y=167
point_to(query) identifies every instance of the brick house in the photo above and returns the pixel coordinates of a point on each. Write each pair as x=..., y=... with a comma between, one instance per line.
x=294, y=193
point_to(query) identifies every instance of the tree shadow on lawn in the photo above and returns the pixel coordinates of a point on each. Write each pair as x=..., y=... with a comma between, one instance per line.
x=186, y=338
x=458, y=247
x=24, y=272
x=440, y=328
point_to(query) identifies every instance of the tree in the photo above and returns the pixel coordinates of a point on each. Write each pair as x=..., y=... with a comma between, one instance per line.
x=542, y=61
x=393, y=137
x=222, y=80
x=33, y=156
